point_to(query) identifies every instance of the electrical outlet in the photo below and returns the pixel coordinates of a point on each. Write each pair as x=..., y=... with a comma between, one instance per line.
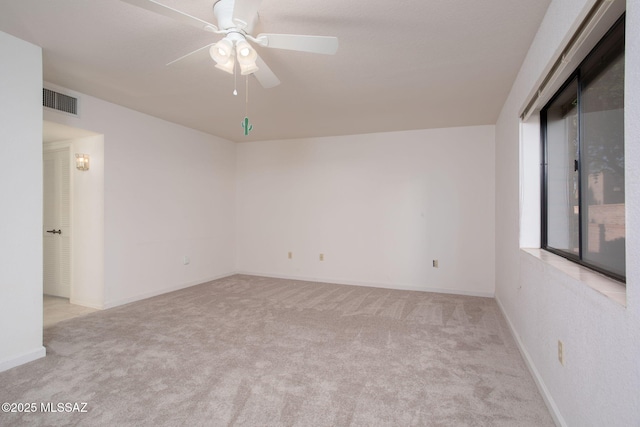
x=321, y=257
x=560, y=353
x=435, y=263
x=186, y=260
x=290, y=255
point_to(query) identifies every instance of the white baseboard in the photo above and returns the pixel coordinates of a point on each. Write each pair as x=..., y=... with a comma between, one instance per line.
x=122, y=301
x=23, y=358
x=402, y=287
x=138, y=297
x=89, y=304
x=544, y=391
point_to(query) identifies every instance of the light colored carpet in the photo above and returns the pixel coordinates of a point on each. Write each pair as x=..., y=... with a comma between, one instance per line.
x=256, y=351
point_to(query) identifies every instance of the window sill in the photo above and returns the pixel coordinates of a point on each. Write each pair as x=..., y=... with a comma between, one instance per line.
x=610, y=288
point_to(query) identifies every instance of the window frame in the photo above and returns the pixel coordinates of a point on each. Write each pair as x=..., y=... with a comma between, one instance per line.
x=576, y=76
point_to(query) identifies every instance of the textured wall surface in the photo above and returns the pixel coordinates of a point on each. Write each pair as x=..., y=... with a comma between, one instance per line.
x=600, y=379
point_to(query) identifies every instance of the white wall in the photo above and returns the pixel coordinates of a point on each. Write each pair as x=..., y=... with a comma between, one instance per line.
x=600, y=380
x=88, y=224
x=380, y=207
x=168, y=193
x=21, y=196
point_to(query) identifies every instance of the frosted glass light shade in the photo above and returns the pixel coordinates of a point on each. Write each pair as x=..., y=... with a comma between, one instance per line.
x=246, y=57
x=222, y=51
x=246, y=69
x=228, y=66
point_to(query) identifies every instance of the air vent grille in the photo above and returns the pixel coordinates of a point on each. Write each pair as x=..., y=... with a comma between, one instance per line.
x=59, y=101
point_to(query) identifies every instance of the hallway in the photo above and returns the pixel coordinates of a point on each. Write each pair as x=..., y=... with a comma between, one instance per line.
x=57, y=309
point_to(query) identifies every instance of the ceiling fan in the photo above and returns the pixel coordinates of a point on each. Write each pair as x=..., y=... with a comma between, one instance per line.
x=235, y=20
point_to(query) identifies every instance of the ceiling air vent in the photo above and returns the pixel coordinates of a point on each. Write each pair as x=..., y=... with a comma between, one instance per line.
x=59, y=101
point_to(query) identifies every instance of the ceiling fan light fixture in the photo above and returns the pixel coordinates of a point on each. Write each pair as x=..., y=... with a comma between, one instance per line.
x=247, y=69
x=222, y=51
x=247, y=56
x=245, y=52
x=227, y=67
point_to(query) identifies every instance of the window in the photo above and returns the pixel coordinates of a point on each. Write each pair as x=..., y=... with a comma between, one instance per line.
x=583, y=203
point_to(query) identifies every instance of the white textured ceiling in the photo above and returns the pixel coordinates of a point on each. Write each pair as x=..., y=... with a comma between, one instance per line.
x=403, y=64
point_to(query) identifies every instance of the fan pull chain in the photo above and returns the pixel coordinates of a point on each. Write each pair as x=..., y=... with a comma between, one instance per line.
x=246, y=100
x=235, y=81
x=245, y=123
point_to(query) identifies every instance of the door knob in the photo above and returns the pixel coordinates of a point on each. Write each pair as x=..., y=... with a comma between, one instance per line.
x=54, y=231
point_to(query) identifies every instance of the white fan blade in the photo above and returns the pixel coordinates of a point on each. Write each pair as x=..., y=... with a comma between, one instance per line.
x=314, y=44
x=191, y=53
x=169, y=12
x=265, y=76
x=245, y=13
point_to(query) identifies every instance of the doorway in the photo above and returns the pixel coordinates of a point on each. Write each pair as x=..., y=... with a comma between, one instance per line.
x=73, y=222
x=57, y=309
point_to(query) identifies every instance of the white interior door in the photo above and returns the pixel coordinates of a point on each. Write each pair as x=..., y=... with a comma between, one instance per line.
x=57, y=222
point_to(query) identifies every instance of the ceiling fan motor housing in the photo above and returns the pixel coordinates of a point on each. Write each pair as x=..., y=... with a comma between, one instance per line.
x=223, y=11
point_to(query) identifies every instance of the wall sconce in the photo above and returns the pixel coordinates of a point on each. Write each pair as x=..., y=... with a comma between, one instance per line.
x=82, y=162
